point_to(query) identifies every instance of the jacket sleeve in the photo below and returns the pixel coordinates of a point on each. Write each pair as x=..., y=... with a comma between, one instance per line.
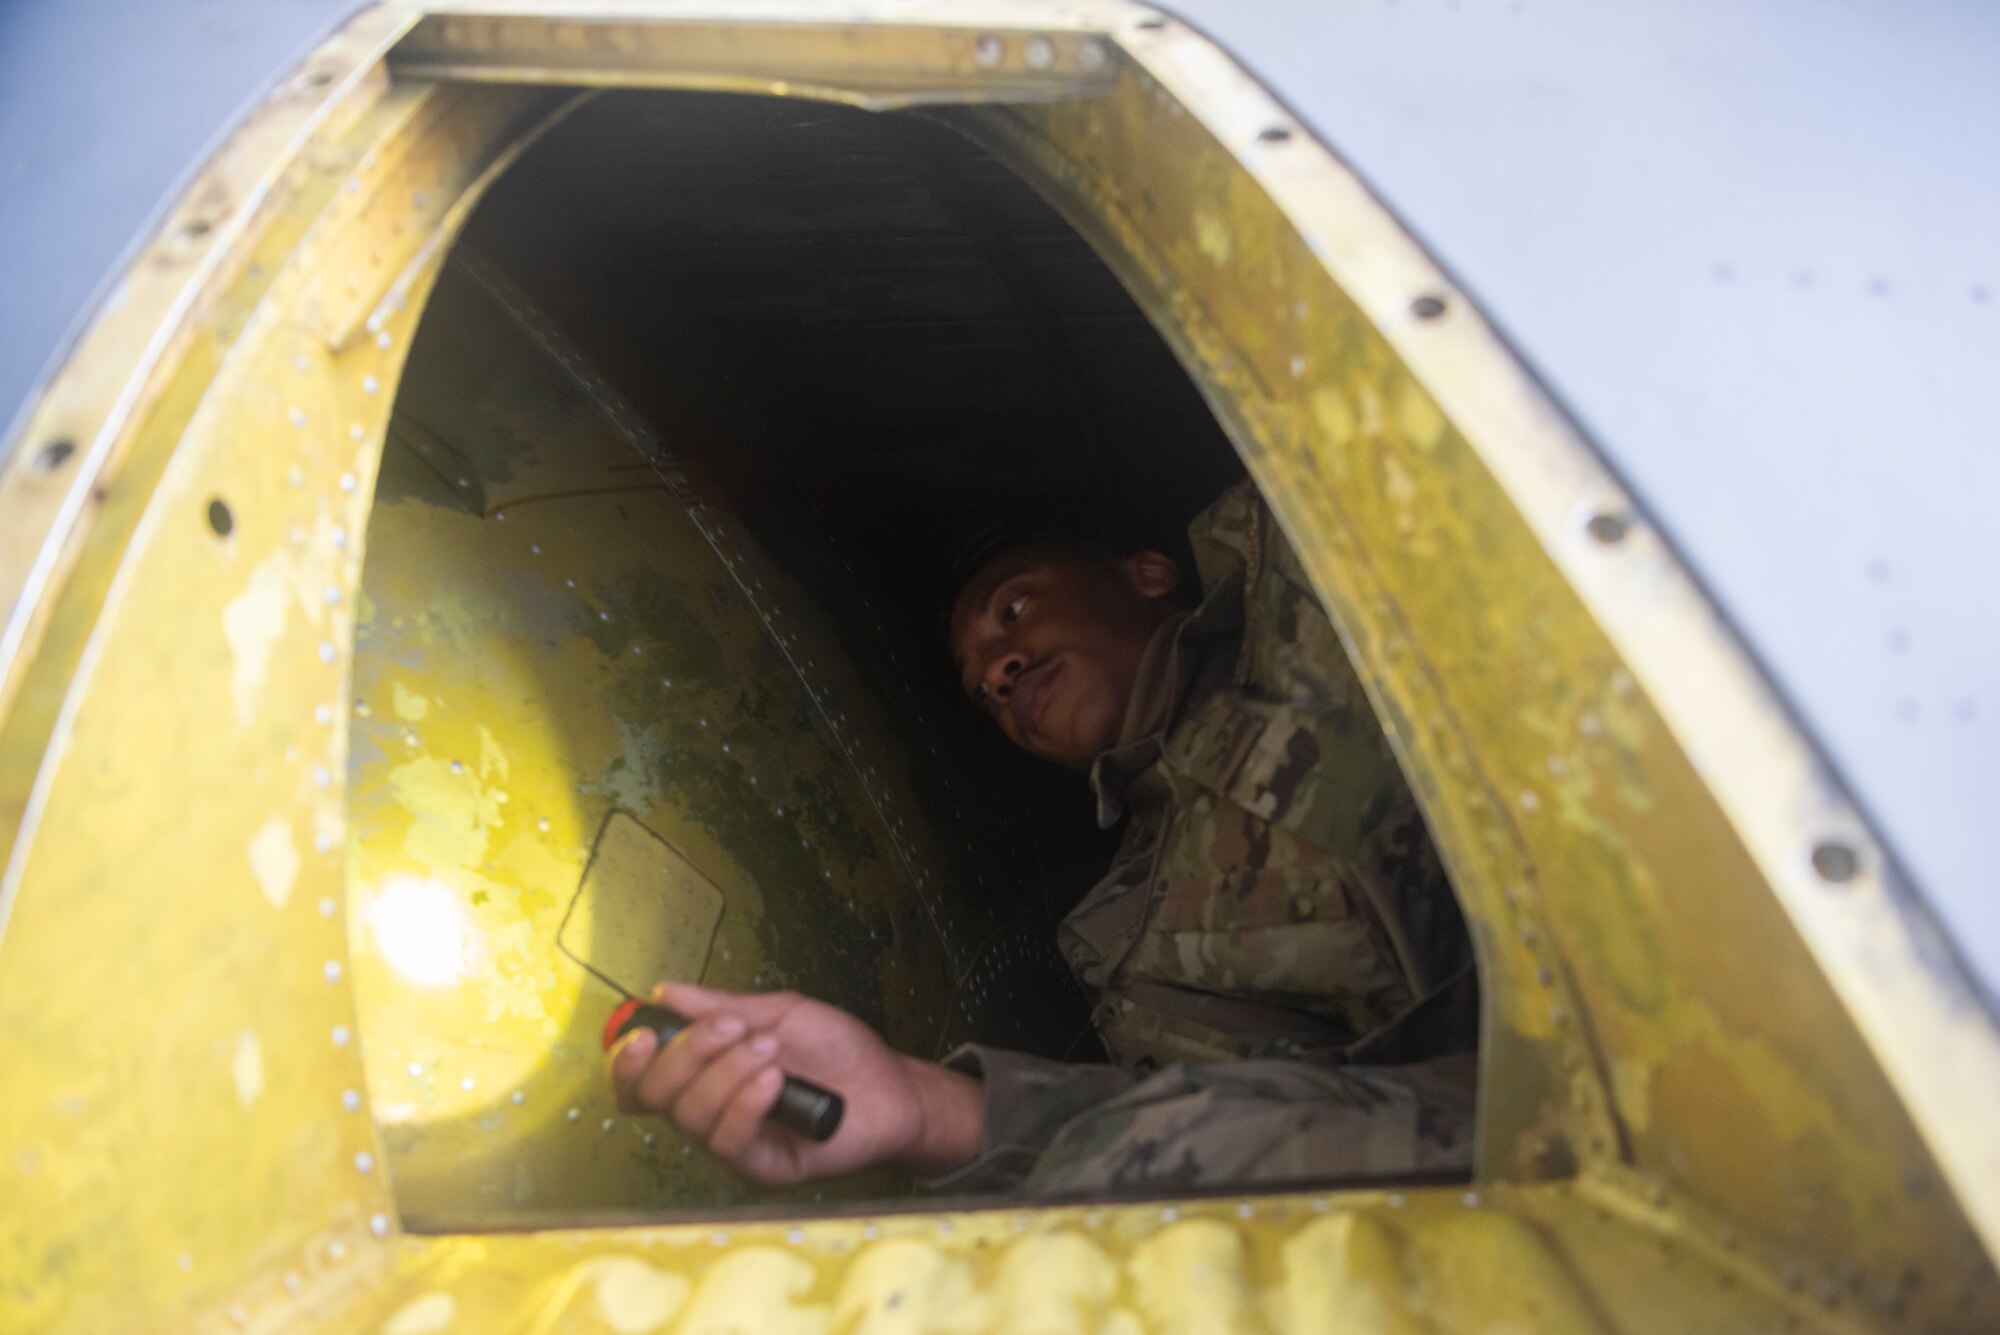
x=1028, y=1100
x=1065, y=1129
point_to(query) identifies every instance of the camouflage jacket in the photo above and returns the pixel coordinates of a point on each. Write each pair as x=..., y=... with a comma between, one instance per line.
x=1276, y=894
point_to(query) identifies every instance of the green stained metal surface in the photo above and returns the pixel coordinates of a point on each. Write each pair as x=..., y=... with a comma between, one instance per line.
x=551, y=632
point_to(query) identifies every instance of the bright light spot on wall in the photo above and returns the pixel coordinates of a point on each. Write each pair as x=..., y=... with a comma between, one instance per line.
x=422, y=930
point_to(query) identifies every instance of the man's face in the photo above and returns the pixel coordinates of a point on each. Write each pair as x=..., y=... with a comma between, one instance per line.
x=1048, y=640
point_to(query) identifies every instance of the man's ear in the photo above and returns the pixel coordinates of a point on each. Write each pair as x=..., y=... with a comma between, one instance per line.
x=1154, y=574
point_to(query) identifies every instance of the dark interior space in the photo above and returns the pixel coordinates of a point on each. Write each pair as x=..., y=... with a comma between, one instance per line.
x=875, y=338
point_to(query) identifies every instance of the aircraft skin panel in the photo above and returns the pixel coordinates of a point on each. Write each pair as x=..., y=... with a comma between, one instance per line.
x=1755, y=252
x=1730, y=1078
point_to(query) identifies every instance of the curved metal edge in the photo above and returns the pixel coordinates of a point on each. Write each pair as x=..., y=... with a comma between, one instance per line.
x=1926, y=1021
x=113, y=368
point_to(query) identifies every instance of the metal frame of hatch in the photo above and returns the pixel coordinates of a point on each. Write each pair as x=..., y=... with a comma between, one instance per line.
x=1586, y=734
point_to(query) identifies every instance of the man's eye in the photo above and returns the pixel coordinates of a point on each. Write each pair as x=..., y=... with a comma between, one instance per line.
x=1012, y=611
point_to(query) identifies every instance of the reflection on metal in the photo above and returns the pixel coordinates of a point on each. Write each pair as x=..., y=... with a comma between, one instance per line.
x=603, y=637
x=1722, y=1090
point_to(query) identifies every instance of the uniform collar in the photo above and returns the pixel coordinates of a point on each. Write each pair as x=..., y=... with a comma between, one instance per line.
x=1167, y=673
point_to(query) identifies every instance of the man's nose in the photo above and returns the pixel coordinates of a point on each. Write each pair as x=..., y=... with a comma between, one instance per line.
x=1001, y=671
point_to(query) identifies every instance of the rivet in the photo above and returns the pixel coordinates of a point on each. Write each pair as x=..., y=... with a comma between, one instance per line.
x=609, y=1123
x=542, y=824
x=347, y=482
x=569, y=584
x=518, y=1096
x=1427, y=307
x=336, y=1249
x=1298, y=366
x=338, y=538
x=340, y=1035
x=355, y=432
x=382, y=339
x=297, y=416
x=468, y=1083
x=53, y=455
x=370, y=385
x=219, y=518
x=535, y=548
x=575, y=1114
x=378, y=1224
x=350, y=1099
x=327, y=908
x=604, y=616
x=458, y=767
x=322, y=777
x=323, y=714
x=1395, y=1200
x=331, y=594
x=292, y=1282
x=666, y=683
x=364, y=1162
x=1608, y=527
x=1170, y=1214
x=1039, y=52
x=1530, y=802
x=1089, y=55
x=332, y=971
x=1245, y=1210
x=1835, y=862
x=296, y=477
x=327, y=653
x=796, y=1236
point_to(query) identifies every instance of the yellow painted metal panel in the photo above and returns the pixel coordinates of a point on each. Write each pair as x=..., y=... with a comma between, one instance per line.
x=183, y=1137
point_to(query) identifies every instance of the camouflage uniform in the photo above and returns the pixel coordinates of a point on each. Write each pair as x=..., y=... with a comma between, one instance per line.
x=1275, y=930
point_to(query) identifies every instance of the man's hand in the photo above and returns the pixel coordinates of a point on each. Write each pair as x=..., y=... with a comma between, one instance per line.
x=721, y=1074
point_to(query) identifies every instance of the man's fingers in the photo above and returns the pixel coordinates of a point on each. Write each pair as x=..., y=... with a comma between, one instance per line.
x=743, y=1117
x=682, y=1061
x=629, y=1060
x=700, y=1105
x=761, y=1009
x=691, y=1001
